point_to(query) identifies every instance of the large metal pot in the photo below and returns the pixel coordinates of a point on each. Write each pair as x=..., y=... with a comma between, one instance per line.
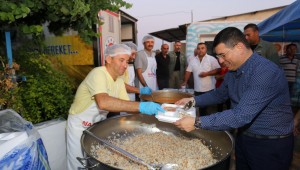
x=166, y=96
x=221, y=143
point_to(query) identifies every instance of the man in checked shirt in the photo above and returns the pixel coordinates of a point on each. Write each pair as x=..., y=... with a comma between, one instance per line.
x=260, y=106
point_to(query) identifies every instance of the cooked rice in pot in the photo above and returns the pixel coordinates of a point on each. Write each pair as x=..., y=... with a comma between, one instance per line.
x=157, y=148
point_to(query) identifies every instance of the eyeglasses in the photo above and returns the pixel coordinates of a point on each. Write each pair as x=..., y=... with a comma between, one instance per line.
x=224, y=55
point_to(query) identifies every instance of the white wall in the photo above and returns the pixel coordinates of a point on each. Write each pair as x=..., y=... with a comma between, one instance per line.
x=53, y=134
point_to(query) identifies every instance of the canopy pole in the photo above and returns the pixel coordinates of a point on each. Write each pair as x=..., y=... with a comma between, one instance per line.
x=283, y=44
x=8, y=49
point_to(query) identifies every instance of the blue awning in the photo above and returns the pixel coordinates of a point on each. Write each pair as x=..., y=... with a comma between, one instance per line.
x=284, y=26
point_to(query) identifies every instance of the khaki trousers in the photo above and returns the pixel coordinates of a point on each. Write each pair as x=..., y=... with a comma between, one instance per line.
x=175, y=80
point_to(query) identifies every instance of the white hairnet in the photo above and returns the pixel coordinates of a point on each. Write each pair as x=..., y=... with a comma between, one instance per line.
x=131, y=45
x=117, y=49
x=148, y=37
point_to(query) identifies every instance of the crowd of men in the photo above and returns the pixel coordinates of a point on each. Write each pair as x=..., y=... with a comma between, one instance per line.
x=202, y=71
x=246, y=73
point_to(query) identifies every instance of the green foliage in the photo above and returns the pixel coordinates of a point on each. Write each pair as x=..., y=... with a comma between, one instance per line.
x=47, y=93
x=80, y=15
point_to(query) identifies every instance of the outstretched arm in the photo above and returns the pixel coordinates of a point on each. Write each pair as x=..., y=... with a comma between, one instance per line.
x=131, y=89
x=186, y=78
x=141, y=77
x=210, y=73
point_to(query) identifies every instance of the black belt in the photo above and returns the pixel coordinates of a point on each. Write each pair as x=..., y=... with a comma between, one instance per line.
x=266, y=136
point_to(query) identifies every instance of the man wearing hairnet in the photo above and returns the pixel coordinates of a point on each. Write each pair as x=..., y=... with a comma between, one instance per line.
x=129, y=75
x=102, y=91
x=145, y=64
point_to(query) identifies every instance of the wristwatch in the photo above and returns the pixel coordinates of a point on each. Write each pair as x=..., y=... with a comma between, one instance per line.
x=197, y=124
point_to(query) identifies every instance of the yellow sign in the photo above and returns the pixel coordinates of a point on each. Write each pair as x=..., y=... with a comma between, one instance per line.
x=71, y=50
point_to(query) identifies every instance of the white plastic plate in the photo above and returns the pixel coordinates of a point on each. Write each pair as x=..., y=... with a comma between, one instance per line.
x=173, y=116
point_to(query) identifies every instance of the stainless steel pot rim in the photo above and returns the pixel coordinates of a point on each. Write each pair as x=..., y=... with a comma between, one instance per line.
x=165, y=96
x=150, y=126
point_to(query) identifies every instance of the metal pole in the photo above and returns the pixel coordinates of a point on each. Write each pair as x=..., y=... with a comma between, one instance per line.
x=8, y=48
x=192, y=16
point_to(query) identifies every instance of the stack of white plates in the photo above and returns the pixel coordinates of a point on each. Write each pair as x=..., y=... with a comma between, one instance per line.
x=174, y=113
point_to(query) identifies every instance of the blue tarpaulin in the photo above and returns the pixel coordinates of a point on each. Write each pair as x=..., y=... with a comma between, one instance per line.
x=283, y=26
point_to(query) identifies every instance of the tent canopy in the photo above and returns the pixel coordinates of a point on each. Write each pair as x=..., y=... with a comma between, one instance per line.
x=284, y=26
x=172, y=34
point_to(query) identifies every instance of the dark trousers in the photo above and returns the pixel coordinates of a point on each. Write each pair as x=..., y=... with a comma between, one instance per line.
x=162, y=83
x=291, y=88
x=263, y=154
x=202, y=110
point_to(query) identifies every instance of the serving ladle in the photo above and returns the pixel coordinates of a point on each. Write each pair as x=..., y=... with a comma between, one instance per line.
x=188, y=105
x=131, y=156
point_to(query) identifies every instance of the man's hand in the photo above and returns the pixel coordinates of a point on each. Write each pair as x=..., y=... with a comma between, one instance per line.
x=203, y=74
x=186, y=123
x=183, y=84
x=183, y=101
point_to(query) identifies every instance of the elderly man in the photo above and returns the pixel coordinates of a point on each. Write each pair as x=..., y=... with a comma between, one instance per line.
x=145, y=64
x=261, y=109
x=163, y=61
x=263, y=48
x=102, y=91
x=177, y=66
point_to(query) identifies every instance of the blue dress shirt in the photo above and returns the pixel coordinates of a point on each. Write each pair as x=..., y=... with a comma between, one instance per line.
x=260, y=102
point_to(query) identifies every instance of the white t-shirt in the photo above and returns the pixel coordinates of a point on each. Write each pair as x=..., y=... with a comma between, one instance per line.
x=208, y=63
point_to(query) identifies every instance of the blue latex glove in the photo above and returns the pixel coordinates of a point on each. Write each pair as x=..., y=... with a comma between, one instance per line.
x=145, y=90
x=150, y=108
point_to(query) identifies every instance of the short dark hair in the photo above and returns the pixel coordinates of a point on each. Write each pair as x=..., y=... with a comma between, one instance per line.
x=177, y=42
x=290, y=45
x=201, y=43
x=230, y=36
x=251, y=25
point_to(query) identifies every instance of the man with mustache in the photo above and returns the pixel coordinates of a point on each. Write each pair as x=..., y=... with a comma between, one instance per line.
x=177, y=65
x=145, y=64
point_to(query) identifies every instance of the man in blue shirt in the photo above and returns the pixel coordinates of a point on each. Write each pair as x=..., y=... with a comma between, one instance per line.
x=260, y=105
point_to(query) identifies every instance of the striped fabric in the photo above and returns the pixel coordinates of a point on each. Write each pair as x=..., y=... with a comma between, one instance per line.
x=289, y=67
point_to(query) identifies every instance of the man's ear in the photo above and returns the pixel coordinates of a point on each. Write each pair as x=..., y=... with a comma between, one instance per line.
x=239, y=45
x=108, y=59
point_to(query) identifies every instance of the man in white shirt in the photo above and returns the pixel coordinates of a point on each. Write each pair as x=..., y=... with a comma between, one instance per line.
x=204, y=68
